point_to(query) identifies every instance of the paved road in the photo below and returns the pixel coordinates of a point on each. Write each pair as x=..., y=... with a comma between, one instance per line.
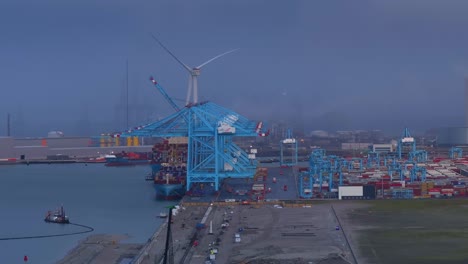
x=277, y=189
x=276, y=235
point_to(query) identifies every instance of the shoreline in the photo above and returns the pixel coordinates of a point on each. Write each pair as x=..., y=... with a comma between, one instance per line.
x=101, y=248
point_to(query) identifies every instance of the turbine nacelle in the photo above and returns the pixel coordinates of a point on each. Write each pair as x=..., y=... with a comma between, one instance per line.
x=195, y=72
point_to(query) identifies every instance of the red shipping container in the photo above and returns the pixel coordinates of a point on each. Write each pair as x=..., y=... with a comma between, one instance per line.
x=417, y=192
x=384, y=186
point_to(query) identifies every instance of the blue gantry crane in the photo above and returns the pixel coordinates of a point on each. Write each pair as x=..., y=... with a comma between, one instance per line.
x=418, y=156
x=373, y=159
x=164, y=93
x=289, y=144
x=418, y=174
x=355, y=164
x=395, y=170
x=337, y=165
x=405, y=140
x=322, y=168
x=210, y=129
x=389, y=160
x=306, y=184
x=455, y=153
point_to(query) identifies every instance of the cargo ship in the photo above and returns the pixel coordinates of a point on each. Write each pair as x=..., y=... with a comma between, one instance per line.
x=128, y=159
x=169, y=168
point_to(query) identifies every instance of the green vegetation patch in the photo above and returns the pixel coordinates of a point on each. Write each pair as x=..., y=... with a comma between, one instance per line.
x=413, y=231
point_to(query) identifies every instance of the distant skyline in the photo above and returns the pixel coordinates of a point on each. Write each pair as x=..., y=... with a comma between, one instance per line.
x=330, y=65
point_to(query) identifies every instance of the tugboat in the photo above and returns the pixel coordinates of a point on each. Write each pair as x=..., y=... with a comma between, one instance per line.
x=57, y=216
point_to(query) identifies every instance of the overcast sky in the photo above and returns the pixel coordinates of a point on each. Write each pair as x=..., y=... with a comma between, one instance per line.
x=377, y=64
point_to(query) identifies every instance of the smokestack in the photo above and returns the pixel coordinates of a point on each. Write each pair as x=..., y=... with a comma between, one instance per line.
x=466, y=102
x=8, y=125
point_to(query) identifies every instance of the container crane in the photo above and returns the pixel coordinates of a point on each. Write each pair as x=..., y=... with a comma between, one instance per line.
x=406, y=140
x=212, y=154
x=389, y=160
x=306, y=184
x=418, y=156
x=373, y=159
x=322, y=169
x=418, y=174
x=355, y=164
x=164, y=93
x=394, y=169
x=455, y=153
x=288, y=143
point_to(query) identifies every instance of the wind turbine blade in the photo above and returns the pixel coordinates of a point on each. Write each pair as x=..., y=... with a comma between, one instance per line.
x=168, y=51
x=214, y=58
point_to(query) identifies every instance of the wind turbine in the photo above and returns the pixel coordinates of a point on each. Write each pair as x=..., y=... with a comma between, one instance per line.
x=194, y=72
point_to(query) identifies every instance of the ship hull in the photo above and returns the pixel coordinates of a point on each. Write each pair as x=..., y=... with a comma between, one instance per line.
x=169, y=191
x=116, y=162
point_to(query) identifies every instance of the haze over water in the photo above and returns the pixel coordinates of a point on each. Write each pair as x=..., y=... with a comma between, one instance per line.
x=111, y=200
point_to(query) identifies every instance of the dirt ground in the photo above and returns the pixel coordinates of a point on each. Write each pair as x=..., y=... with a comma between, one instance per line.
x=101, y=248
x=268, y=234
x=271, y=234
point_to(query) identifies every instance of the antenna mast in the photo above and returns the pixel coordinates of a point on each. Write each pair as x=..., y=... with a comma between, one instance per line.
x=126, y=97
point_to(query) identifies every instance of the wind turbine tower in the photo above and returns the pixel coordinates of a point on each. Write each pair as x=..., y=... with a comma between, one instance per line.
x=192, y=91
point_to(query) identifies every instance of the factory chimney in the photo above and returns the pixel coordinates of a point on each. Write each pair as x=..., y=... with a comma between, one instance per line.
x=466, y=102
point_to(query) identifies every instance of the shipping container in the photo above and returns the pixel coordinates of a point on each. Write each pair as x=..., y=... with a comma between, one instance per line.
x=369, y=191
x=350, y=191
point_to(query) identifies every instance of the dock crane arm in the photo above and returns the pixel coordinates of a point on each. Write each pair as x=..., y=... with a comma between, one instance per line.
x=163, y=92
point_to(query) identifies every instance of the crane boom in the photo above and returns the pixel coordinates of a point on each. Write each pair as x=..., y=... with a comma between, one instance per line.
x=163, y=92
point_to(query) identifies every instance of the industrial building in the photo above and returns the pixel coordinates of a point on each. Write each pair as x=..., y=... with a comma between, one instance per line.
x=74, y=147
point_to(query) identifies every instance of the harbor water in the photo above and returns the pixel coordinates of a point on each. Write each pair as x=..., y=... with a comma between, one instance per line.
x=112, y=200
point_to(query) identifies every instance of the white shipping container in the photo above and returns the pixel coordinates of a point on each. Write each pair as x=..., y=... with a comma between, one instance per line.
x=289, y=141
x=407, y=139
x=258, y=187
x=349, y=191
